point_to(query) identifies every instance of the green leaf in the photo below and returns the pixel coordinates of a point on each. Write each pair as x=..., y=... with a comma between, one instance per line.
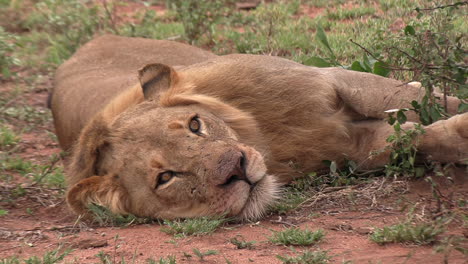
x=6, y=73
x=366, y=64
x=415, y=105
x=463, y=107
x=419, y=171
x=333, y=167
x=397, y=127
x=3, y=212
x=391, y=120
x=424, y=117
x=356, y=66
x=435, y=114
x=380, y=68
x=352, y=165
x=409, y=30
x=322, y=37
x=318, y=62
x=401, y=117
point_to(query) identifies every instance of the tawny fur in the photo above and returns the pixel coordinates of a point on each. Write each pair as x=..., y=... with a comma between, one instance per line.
x=285, y=118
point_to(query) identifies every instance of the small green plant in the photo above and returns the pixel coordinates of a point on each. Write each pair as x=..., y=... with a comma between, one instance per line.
x=27, y=113
x=430, y=49
x=307, y=257
x=241, y=243
x=367, y=64
x=296, y=237
x=49, y=176
x=450, y=243
x=272, y=30
x=202, y=255
x=346, y=13
x=294, y=194
x=192, y=227
x=17, y=164
x=403, y=147
x=149, y=25
x=406, y=232
x=50, y=257
x=199, y=17
x=168, y=260
x=3, y=212
x=290, y=200
x=8, y=138
x=104, y=258
x=69, y=24
x=8, y=43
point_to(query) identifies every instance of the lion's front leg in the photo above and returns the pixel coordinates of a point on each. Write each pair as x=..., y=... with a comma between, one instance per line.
x=444, y=141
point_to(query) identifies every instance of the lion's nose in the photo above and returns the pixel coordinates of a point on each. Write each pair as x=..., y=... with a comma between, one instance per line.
x=238, y=170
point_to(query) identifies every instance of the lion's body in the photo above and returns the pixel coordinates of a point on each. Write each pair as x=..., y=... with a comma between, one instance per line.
x=301, y=115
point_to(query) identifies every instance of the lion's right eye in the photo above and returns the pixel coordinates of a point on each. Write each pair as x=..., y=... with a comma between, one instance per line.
x=165, y=177
x=195, y=125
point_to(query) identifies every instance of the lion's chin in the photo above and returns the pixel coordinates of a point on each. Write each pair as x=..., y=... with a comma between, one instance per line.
x=263, y=194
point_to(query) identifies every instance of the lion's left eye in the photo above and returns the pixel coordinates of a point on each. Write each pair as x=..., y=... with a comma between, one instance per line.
x=195, y=125
x=165, y=177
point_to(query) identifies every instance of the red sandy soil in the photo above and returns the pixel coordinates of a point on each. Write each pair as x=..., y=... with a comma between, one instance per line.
x=50, y=225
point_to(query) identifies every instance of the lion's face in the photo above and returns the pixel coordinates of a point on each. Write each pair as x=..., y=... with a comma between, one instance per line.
x=185, y=162
x=172, y=155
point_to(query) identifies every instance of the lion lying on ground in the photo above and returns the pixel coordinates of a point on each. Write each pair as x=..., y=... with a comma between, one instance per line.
x=162, y=129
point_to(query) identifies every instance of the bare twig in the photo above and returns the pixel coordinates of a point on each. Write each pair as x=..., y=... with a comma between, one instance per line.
x=110, y=15
x=46, y=171
x=457, y=4
x=366, y=50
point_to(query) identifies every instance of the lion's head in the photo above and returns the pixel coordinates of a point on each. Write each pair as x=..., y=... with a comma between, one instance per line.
x=175, y=154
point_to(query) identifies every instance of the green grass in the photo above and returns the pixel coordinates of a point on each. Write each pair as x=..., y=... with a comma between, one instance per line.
x=3, y=212
x=345, y=13
x=296, y=237
x=420, y=234
x=50, y=257
x=192, y=227
x=241, y=243
x=104, y=217
x=168, y=260
x=47, y=175
x=307, y=257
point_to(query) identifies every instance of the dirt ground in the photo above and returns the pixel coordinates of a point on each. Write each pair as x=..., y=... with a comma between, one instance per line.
x=40, y=221
x=347, y=224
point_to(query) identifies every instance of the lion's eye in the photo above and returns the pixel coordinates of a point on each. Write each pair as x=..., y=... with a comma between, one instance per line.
x=165, y=177
x=195, y=125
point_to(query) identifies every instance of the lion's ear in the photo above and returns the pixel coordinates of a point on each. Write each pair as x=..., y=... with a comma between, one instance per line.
x=155, y=79
x=88, y=150
x=102, y=190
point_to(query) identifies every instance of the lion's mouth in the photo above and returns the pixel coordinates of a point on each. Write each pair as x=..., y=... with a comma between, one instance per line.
x=236, y=178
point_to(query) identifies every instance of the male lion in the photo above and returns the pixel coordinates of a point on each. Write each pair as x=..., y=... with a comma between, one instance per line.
x=165, y=130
